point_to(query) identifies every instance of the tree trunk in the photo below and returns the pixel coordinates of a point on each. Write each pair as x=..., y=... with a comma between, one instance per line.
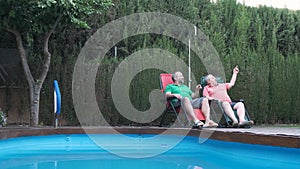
x=34, y=103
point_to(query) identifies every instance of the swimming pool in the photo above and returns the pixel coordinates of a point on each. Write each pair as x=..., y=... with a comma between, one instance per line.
x=79, y=151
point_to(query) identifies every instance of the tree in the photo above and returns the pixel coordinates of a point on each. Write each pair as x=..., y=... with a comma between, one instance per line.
x=32, y=22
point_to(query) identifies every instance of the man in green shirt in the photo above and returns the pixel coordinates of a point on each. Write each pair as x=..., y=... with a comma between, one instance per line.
x=189, y=100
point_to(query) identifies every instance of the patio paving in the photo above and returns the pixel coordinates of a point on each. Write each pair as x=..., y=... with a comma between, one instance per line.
x=283, y=131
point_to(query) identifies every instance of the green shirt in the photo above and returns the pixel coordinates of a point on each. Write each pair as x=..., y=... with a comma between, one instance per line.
x=183, y=90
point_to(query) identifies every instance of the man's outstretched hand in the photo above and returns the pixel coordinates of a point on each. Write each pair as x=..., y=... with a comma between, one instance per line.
x=236, y=70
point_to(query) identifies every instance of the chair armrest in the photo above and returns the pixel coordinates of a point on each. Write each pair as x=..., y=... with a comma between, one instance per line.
x=240, y=100
x=213, y=100
x=171, y=98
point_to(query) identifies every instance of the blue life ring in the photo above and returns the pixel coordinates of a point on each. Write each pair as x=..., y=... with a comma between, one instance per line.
x=58, y=97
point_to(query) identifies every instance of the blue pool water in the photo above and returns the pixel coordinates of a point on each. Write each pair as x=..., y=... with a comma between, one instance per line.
x=79, y=151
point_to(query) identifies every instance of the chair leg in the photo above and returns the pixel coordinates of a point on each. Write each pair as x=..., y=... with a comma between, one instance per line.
x=177, y=115
x=163, y=117
x=215, y=117
x=247, y=115
x=170, y=109
x=173, y=110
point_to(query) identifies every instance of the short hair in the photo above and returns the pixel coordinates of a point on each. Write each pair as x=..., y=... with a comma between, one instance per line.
x=173, y=76
x=207, y=77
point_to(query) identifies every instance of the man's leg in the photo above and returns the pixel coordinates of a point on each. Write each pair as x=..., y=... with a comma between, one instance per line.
x=228, y=110
x=187, y=106
x=206, y=112
x=203, y=104
x=240, y=110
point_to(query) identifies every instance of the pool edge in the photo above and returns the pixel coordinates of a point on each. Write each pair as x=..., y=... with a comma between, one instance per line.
x=292, y=141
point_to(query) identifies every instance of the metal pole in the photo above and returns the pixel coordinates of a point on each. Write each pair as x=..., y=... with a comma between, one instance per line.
x=55, y=109
x=116, y=52
x=57, y=103
x=190, y=79
x=190, y=64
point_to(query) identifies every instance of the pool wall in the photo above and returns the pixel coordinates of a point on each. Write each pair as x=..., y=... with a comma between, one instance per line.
x=232, y=136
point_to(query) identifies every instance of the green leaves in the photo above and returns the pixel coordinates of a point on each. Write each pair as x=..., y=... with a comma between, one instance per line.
x=79, y=22
x=39, y=16
x=45, y=3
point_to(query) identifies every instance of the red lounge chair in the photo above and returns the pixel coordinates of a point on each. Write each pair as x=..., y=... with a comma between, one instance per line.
x=166, y=79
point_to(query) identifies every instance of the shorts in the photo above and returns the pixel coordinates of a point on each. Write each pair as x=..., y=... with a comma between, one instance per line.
x=232, y=104
x=197, y=103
